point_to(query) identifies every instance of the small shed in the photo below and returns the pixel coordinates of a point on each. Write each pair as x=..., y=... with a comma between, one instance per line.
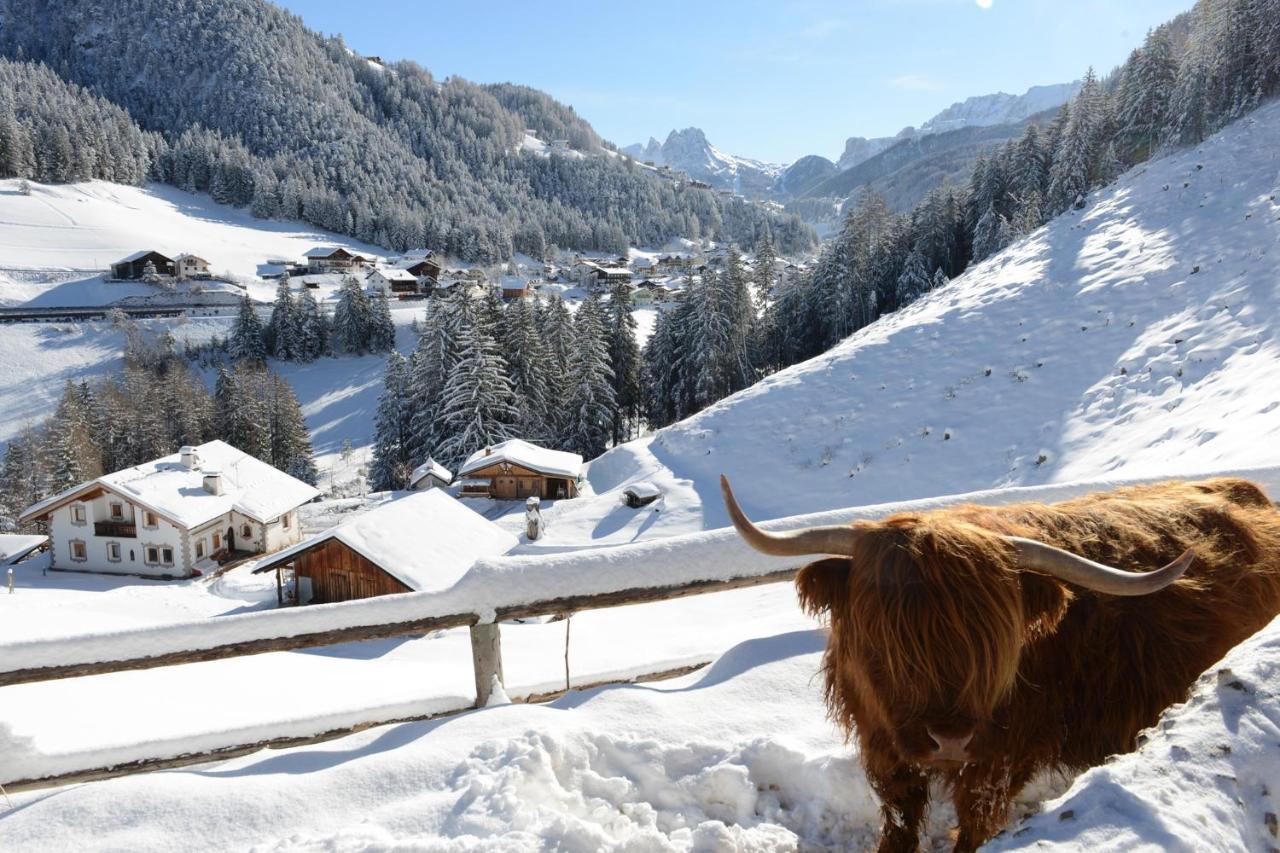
x=516, y=469
x=134, y=267
x=422, y=542
x=430, y=475
x=640, y=494
x=16, y=546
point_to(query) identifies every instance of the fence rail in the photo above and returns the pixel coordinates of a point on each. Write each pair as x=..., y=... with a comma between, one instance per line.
x=505, y=588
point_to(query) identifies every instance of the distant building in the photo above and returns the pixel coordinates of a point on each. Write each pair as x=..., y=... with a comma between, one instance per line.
x=514, y=288
x=516, y=469
x=326, y=259
x=191, y=266
x=422, y=542
x=173, y=516
x=134, y=267
x=394, y=282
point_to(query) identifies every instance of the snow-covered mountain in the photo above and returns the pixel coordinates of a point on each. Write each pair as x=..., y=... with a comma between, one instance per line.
x=689, y=151
x=1000, y=108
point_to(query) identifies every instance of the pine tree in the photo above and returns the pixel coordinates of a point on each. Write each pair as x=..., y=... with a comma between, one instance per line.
x=382, y=331
x=478, y=406
x=282, y=335
x=991, y=235
x=352, y=319
x=392, y=429
x=591, y=404
x=245, y=343
x=914, y=280
x=313, y=328
x=528, y=363
x=624, y=357
x=1145, y=94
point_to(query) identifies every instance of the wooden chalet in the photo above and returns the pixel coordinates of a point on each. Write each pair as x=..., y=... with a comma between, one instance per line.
x=424, y=541
x=394, y=282
x=325, y=259
x=516, y=469
x=514, y=288
x=427, y=267
x=134, y=267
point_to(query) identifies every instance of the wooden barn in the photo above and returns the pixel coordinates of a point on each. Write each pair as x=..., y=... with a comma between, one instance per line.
x=516, y=469
x=421, y=542
x=134, y=267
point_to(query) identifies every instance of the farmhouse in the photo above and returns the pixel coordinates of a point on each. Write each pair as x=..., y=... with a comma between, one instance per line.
x=430, y=475
x=391, y=281
x=423, y=263
x=323, y=259
x=134, y=267
x=514, y=288
x=516, y=469
x=175, y=516
x=190, y=266
x=421, y=542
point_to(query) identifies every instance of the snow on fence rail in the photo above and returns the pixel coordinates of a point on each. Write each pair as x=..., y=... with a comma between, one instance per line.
x=497, y=589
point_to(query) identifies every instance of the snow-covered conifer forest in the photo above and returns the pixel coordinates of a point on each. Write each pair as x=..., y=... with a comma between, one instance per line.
x=381, y=284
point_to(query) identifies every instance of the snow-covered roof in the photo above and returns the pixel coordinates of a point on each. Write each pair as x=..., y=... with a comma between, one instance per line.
x=137, y=256
x=188, y=256
x=394, y=274
x=426, y=540
x=643, y=489
x=165, y=486
x=15, y=546
x=431, y=466
x=614, y=271
x=326, y=251
x=520, y=452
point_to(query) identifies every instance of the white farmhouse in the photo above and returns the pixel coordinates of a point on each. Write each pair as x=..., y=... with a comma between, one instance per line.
x=174, y=516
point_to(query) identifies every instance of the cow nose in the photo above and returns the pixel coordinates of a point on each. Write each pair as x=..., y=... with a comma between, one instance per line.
x=950, y=748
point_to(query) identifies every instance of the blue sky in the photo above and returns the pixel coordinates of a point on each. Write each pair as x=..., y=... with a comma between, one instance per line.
x=773, y=81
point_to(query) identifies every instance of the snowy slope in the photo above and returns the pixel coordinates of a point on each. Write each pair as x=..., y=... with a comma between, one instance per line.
x=1139, y=335
x=87, y=226
x=736, y=757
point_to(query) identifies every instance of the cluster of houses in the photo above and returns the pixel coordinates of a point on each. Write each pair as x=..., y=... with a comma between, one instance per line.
x=209, y=507
x=422, y=273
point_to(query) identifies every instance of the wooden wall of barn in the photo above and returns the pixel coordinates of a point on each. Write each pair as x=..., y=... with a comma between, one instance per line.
x=340, y=574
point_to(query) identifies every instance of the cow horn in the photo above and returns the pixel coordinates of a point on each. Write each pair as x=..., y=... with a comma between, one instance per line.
x=835, y=539
x=1075, y=569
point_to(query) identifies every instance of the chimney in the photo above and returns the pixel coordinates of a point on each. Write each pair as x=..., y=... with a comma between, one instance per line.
x=190, y=458
x=213, y=482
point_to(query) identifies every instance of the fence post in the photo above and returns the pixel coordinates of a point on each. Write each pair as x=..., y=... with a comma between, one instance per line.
x=486, y=657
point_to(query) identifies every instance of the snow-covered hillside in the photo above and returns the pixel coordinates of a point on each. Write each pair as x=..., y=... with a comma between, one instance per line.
x=85, y=227
x=1137, y=335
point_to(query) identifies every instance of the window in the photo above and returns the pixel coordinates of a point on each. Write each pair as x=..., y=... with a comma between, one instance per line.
x=199, y=549
x=166, y=556
x=217, y=541
x=246, y=532
x=117, y=511
x=77, y=514
x=153, y=555
x=284, y=521
x=149, y=519
x=78, y=551
x=113, y=552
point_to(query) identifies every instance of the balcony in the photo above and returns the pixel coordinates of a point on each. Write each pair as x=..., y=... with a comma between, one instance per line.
x=116, y=529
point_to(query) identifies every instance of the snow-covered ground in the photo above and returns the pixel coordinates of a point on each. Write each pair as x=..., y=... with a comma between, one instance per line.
x=738, y=756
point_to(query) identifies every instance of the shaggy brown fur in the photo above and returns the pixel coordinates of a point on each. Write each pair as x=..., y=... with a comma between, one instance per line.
x=933, y=627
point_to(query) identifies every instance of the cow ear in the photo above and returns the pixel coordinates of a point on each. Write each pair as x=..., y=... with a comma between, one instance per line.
x=1044, y=603
x=820, y=585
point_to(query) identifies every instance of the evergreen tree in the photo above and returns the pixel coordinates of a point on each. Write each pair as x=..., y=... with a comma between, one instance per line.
x=478, y=406
x=392, y=429
x=914, y=280
x=313, y=328
x=591, y=403
x=352, y=319
x=382, y=331
x=245, y=343
x=528, y=363
x=283, y=333
x=624, y=357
